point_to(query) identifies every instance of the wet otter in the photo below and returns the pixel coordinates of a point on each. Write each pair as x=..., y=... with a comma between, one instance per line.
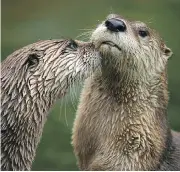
x=32, y=79
x=121, y=122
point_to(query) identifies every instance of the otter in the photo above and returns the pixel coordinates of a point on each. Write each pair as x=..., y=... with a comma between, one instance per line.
x=32, y=79
x=121, y=121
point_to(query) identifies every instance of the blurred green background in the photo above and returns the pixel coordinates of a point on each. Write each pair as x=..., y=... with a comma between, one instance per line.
x=26, y=21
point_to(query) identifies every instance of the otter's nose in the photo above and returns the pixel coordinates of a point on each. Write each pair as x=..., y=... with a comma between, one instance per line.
x=115, y=25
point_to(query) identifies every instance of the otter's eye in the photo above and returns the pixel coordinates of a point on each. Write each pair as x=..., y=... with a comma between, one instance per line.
x=143, y=33
x=32, y=60
x=73, y=45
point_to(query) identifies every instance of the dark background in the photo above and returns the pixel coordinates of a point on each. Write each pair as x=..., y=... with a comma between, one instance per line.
x=27, y=21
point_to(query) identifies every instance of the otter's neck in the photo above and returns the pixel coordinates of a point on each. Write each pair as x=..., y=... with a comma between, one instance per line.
x=138, y=117
x=23, y=118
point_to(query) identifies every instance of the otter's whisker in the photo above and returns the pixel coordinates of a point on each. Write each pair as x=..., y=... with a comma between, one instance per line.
x=85, y=35
x=73, y=91
x=60, y=108
x=111, y=11
x=72, y=97
x=87, y=29
x=65, y=110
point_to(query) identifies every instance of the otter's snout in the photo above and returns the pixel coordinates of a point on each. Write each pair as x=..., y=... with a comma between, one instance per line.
x=115, y=25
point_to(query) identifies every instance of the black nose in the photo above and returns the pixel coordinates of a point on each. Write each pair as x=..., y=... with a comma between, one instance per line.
x=115, y=25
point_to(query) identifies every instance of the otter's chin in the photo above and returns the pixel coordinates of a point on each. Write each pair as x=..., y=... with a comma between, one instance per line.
x=109, y=50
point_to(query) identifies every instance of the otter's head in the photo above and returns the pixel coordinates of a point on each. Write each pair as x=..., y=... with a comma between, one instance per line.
x=44, y=70
x=130, y=47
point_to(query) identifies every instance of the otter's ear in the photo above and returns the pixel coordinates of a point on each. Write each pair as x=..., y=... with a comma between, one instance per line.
x=167, y=51
x=32, y=60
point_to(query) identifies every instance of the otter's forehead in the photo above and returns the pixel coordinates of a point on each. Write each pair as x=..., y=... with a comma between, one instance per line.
x=139, y=24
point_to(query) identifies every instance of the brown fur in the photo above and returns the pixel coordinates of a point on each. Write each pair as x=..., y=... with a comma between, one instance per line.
x=32, y=79
x=121, y=122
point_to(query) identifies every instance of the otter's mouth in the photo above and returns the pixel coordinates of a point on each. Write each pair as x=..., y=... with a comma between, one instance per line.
x=111, y=44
